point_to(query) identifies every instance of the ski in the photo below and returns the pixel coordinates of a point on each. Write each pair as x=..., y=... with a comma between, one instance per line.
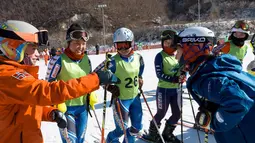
x=195, y=126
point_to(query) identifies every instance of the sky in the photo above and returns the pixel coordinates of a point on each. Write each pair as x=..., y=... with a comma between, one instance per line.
x=93, y=135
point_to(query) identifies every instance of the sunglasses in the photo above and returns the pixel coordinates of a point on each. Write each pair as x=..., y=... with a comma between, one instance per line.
x=241, y=24
x=79, y=35
x=123, y=46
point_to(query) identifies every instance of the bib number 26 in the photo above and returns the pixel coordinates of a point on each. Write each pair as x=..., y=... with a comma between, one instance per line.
x=131, y=82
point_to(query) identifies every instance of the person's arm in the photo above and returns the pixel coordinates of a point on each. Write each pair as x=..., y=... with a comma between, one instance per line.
x=111, y=67
x=233, y=102
x=141, y=67
x=53, y=69
x=46, y=114
x=159, y=70
x=22, y=88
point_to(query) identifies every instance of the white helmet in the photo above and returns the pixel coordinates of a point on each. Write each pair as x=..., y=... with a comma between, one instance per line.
x=14, y=36
x=123, y=35
x=196, y=31
x=240, y=26
x=196, y=35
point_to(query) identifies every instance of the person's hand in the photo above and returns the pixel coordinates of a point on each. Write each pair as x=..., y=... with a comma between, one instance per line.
x=60, y=118
x=203, y=117
x=140, y=81
x=179, y=79
x=114, y=90
x=107, y=77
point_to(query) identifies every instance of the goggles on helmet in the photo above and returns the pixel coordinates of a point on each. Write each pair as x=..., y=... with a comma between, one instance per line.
x=241, y=24
x=168, y=34
x=79, y=35
x=123, y=46
x=40, y=38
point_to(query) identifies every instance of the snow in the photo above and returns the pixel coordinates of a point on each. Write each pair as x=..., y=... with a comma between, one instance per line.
x=51, y=133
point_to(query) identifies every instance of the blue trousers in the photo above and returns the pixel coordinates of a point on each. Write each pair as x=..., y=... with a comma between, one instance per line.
x=164, y=98
x=77, y=117
x=132, y=109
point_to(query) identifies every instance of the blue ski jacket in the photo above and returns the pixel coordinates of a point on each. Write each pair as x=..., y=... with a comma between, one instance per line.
x=222, y=81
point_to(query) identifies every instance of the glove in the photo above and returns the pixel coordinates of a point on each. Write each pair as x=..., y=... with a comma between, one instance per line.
x=107, y=77
x=203, y=117
x=93, y=100
x=140, y=80
x=60, y=118
x=62, y=107
x=179, y=79
x=206, y=109
x=114, y=90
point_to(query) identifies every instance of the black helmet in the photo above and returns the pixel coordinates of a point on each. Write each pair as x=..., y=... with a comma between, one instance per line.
x=169, y=34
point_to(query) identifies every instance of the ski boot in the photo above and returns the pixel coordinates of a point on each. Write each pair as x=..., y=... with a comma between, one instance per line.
x=168, y=134
x=153, y=135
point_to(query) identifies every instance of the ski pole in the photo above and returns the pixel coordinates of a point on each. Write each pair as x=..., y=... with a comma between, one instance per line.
x=121, y=120
x=206, y=135
x=97, y=120
x=198, y=135
x=181, y=116
x=65, y=134
x=161, y=137
x=105, y=98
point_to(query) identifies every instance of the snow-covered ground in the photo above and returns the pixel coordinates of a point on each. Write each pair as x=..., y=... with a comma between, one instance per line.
x=51, y=133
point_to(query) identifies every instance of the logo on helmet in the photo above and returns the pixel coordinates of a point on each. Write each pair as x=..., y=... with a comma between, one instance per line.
x=193, y=40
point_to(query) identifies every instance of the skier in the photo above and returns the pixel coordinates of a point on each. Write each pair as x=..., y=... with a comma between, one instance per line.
x=236, y=42
x=24, y=98
x=166, y=68
x=224, y=92
x=73, y=63
x=128, y=66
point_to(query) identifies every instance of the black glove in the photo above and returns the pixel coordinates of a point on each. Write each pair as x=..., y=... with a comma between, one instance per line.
x=114, y=90
x=179, y=79
x=60, y=118
x=107, y=77
x=206, y=110
x=203, y=117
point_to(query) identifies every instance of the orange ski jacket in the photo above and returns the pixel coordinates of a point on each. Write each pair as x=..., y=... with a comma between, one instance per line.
x=24, y=100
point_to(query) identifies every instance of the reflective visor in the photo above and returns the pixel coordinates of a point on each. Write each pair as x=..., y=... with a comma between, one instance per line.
x=123, y=46
x=241, y=24
x=78, y=35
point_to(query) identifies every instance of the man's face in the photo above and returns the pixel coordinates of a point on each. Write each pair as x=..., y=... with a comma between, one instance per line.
x=31, y=54
x=77, y=46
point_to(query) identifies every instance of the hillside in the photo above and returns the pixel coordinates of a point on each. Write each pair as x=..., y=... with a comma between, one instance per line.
x=142, y=16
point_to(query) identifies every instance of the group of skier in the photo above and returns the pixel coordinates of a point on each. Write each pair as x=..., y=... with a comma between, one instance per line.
x=223, y=91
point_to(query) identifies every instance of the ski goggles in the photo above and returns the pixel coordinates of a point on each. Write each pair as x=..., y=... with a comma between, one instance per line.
x=40, y=38
x=168, y=34
x=241, y=24
x=123, y=46
x=78, y=35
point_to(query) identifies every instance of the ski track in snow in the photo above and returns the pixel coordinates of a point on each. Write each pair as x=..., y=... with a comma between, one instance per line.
x=51, y=133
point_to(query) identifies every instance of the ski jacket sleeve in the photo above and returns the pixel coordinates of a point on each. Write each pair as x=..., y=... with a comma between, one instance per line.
x=54, y=68
x=46, y=114
x=111, y=67
x=159, y=69
x=141, y=66
x=22, y=88
x=233, y=102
